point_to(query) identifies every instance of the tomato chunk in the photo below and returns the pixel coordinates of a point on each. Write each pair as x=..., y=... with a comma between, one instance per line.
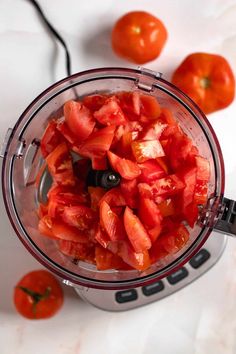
x=167, y=186
x=79, y=216
x=79, y=119
x=150, y=171
x=136, y=232
x=107, y=260
x=137, y=260
x=126, y=168
x=149, y=212
x=81, y=251
x=110, y=113
x=111, y=223
x=59, y=164
x=67, y=232
x=146, y=150
x=98, y=143
x=113, y=197
x=51, y=139
x=129, y=190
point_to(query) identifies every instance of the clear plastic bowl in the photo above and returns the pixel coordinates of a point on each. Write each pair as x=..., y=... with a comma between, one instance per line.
x=23, y=159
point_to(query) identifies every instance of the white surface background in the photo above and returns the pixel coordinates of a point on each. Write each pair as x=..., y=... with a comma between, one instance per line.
x=197, y=320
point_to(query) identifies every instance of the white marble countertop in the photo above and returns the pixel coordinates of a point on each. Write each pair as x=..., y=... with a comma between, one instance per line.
x=199, y=319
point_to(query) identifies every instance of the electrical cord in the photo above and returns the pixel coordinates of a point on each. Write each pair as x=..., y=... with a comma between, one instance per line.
x=54, y=33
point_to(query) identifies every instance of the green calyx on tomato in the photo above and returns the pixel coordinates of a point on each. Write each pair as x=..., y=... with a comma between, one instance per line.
x=35, y=296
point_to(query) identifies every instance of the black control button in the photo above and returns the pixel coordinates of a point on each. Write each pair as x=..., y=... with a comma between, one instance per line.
x=126, y=296
x=201, y=257
x=177, y=276
x=153, y=288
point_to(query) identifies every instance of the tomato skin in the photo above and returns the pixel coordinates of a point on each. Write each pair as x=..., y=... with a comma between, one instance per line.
x=208, y=79
x=136, y=232
x=79, y=119
x=138, y=37
x=38, y=281
x=51, y=139
x=96, y=194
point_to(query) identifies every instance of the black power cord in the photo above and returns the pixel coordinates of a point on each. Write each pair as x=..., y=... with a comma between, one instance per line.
x=55, y=34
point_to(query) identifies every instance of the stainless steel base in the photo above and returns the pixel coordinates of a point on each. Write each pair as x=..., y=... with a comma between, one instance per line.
x=107, y=299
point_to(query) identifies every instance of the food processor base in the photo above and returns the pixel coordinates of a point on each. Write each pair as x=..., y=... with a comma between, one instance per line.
x=113, y=300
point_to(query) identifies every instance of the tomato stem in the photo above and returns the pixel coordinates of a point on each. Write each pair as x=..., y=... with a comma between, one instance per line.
x=36, y=297
x=205, y=82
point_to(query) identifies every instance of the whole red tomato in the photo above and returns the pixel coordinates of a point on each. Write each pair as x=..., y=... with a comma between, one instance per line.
x=207, y=79
x=38, y=295
x=138, y=37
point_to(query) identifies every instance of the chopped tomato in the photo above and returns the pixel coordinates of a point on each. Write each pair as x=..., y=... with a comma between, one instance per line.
x=63, y=128
x=154, y=232
x=149, y=212
x=149, y=107
x=191, y=213
x=173, y=241
x=51, y=139
x=126, y=168
x=67, y=232
x=77, y=250
x=153, y=131
x=79, y=119
x=111, y=223
x=61, y=196
x=162, y=161
x=110, y=113
x=98, y=143
x=167, y=207
x=166, y=116
x=45, y=226
x=42, y=210
x=107, y=260
x=136, y=232
x=201, y=192
x=180, y=148
x=137, y=260
x=94, y=102
x=203, y=168
x=59, y=164
x=146, y=150
x=188, y=176
x=79, y=216
x=96, y=193
x=167, y=186
x=114, y=197
x=102, y=237
x=130, y=192
x=150, y=171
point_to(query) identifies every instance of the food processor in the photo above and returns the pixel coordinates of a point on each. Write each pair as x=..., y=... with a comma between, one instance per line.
x=114, y=289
